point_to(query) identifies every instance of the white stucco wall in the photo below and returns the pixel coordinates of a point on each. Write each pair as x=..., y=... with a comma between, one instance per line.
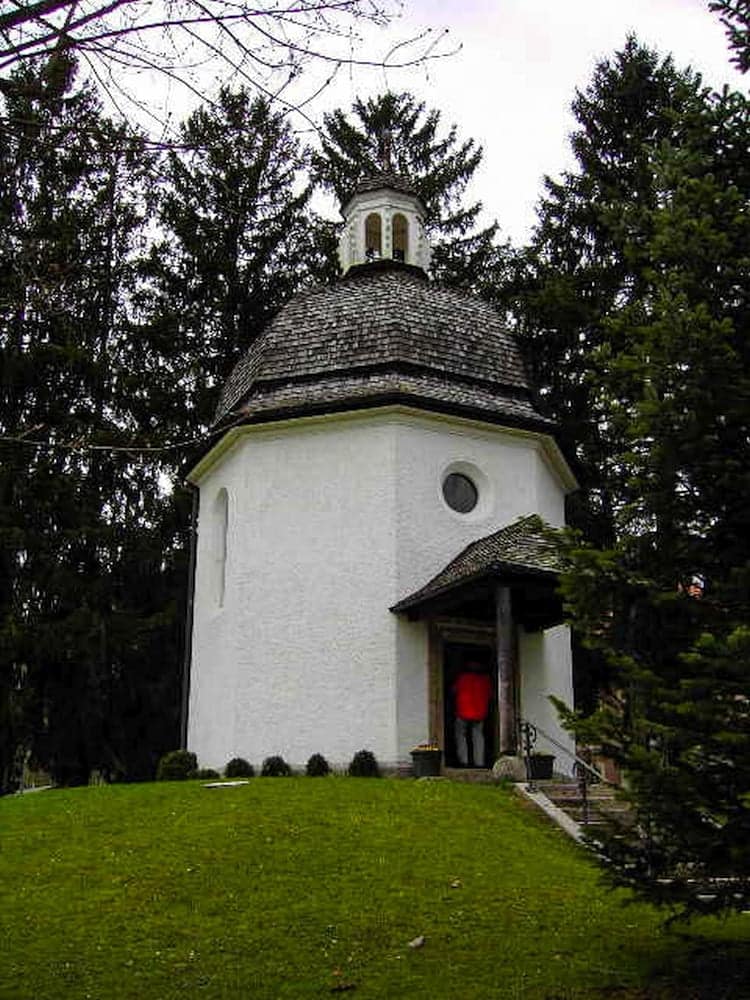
x=547, y=670
x=300, y=659
x=508, y=468
x=515, y=478
x=331, y=521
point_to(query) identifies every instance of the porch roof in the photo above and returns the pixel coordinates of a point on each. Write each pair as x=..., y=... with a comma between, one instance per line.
x=522, y=554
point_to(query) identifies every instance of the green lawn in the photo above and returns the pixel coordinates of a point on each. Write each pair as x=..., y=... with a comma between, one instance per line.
x=302, y=887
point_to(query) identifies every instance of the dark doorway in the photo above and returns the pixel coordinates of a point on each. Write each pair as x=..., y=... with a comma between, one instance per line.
x=480, y=738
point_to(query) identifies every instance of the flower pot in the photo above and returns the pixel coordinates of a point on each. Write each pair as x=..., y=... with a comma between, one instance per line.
x=541, y=766
x=426, y=763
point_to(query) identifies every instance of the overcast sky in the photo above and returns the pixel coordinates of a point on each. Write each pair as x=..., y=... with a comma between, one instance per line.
x=511, y=85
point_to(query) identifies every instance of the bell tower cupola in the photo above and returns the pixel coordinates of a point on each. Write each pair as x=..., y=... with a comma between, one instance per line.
x=384, y=220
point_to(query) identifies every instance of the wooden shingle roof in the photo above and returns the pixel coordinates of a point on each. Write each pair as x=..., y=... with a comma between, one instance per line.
x=385, y=179
x=382, y=334
x=522, y=549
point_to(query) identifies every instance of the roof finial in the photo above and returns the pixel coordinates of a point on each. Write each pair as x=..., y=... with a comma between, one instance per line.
x=386, y=143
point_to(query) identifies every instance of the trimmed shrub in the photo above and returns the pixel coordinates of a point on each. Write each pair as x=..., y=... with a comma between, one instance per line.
x=317, y=766
x=205, y=774
x=364, y=765
x=176, y=765
x=238, y=767
x=275, y=767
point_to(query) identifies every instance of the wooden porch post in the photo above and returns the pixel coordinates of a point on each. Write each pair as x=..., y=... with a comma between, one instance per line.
x=506, y=669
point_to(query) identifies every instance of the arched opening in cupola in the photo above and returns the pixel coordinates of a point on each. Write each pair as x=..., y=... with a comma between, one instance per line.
x=373, y=236
x=400, y=237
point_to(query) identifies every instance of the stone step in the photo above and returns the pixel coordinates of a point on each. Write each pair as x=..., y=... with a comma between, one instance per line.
x=600, y=811
x=603, y=803
x=574, y=795
x=576, y=812
x=576, y=802
x=565, y=787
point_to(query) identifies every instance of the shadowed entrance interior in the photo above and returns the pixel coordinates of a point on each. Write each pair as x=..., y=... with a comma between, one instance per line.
x=457, y=657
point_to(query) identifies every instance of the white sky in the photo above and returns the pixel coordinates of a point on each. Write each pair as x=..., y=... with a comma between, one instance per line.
x=511, y=85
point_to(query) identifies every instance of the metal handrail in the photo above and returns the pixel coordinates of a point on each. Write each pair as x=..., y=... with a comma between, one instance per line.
x=578, y=760
x=585, y=773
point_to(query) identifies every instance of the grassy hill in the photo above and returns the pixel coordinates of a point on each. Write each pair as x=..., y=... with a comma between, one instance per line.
x=299, y=887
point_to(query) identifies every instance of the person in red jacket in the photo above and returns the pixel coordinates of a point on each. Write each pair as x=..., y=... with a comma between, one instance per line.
x=472, y=691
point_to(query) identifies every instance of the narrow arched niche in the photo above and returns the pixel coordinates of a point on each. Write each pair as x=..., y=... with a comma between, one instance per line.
x=221, y=531
x=400, y=232
x=373, y=236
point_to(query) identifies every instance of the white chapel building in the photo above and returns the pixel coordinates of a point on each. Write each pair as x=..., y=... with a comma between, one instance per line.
x=371, y=520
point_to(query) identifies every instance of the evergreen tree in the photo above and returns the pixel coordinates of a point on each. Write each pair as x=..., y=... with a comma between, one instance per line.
x=582, y=262
x=667, y=603
x=582, y=265
x=240, y=241
x=735, y=16
x=396, y=130
x=80, y=603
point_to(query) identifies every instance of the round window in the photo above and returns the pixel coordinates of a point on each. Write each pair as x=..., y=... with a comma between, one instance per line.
x=460, y=493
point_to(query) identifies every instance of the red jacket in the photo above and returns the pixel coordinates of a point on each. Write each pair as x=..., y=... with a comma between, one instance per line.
x=472, y=696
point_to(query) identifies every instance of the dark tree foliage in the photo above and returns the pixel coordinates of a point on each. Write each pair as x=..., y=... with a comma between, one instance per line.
x=735, y=16
x=88, y=625
x=667, y=601
x=583, y=262
x=109, y=341
x=396, y=129
x=239, y=242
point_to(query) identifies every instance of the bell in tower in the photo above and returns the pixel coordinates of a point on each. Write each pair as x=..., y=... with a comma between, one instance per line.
x=384, y=220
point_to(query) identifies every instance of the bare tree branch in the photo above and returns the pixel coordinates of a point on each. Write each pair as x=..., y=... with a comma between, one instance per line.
x=190, y=42
x=30, y=12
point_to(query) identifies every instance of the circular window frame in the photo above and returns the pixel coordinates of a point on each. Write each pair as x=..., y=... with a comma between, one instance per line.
x=481, y=483
x=462, y=495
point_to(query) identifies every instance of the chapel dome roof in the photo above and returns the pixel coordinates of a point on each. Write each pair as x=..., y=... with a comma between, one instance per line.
x=388, y=179
x=382, y=334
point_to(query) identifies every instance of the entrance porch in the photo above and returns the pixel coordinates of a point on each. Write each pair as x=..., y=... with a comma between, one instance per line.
x=486, y=612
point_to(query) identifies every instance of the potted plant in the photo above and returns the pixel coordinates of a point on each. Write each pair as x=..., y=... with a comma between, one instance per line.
x=540, y=766
x=426, y=759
